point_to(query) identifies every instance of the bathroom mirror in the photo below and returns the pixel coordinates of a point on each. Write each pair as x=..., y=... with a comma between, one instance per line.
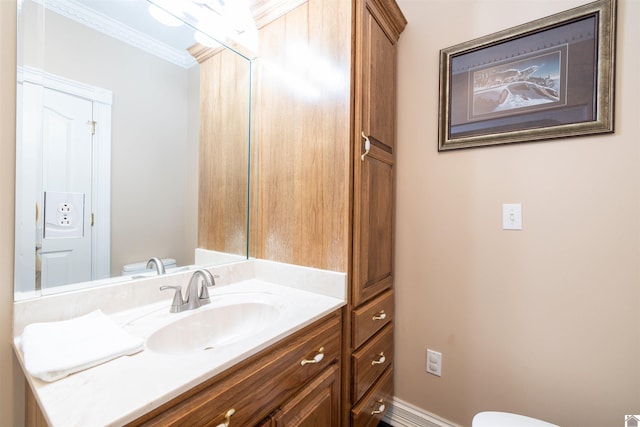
x=110, y=130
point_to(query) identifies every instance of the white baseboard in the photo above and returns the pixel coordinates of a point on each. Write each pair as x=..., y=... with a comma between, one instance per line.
x=403, y=414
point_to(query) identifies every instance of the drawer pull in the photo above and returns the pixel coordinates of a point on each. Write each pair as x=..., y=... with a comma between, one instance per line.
x=381, y=359
x=316, y=359
x=367, y=146
x=380, y=409
x=227, y=418
x=380, y=316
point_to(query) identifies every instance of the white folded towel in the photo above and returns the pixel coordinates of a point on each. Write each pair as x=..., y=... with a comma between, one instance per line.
x=53, y=350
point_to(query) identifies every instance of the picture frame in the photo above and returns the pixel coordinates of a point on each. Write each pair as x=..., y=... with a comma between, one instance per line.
x=550, y=78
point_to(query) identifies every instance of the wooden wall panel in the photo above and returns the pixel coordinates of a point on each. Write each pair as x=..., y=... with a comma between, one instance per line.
x=303, y=136
x=223, y=163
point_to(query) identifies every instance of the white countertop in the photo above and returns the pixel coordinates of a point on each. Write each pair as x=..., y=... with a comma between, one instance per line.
x=128, y=387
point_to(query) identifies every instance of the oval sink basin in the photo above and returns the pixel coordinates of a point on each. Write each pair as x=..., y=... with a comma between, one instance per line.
x=212, y=327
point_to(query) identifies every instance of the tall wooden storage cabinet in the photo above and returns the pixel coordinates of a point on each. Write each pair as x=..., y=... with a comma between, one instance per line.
x=324, y=158
x=377, y=27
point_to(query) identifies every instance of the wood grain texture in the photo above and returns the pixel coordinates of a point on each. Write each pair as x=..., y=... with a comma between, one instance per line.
x=373, y=232
x=362, y=318
x=381, y=393
x=303, y=136
x=224, y=153
x=266, y=11
x=374, y=175
x=378, y=24
x=365, y=372
x=378, y=80
x=317, y=405
x=317, y=203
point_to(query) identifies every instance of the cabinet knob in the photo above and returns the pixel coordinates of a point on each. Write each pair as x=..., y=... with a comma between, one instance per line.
x=380, y=316
x=380, y=408
x=381, y=359
x=316, y=359
x=227, y=418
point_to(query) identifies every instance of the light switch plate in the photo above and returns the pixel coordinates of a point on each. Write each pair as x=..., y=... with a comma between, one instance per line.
x=512, y=216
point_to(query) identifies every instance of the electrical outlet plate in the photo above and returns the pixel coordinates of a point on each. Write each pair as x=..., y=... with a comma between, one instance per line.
x=434, y=362
x=63, y=215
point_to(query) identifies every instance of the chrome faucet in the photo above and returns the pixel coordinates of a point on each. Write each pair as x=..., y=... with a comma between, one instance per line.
x=194, y=298
x=159, y=265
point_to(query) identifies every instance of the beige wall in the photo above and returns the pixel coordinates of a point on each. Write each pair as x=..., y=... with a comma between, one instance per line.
x=12, y=389
x=543, y=321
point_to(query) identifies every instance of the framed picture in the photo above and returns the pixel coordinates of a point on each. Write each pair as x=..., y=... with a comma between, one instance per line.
x=550, y=78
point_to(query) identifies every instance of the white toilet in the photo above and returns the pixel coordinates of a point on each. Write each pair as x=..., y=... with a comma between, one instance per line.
x=505, y=419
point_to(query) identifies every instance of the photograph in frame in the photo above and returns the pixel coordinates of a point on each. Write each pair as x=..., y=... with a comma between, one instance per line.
x=546, y=79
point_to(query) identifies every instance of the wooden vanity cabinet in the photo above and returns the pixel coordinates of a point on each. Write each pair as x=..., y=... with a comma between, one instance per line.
x=276, y=387
x=325, y=132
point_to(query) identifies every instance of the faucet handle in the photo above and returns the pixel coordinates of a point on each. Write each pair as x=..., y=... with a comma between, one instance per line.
x=204, y=293
x=178, y=302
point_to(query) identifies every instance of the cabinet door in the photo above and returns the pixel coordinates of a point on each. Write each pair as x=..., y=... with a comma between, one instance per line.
x=317, y=405
x=374, y=172
x=378, y=76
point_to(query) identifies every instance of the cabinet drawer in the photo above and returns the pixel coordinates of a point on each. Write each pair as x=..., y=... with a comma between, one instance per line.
x=370, y=410
x=257, y=386
x=371, y=360
x=371, y=317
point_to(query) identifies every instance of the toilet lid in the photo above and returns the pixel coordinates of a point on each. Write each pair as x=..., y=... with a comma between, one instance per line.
x=505, y=419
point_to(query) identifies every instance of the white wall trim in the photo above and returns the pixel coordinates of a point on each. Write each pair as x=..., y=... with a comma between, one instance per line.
x=62, y=84
x=101, y=194
x=106, y=25
x=403, y=414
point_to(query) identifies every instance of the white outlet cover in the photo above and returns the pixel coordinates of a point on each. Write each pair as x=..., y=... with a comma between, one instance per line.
x=512, y=216
x=63, y=215
x=434, y=362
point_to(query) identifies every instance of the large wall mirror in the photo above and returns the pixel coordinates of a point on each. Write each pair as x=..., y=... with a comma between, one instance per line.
x=119, y=131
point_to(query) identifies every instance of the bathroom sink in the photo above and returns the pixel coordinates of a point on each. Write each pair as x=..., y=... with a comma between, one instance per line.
x=209, y=328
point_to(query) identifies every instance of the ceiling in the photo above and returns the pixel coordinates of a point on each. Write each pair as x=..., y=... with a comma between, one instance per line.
x=130, y=22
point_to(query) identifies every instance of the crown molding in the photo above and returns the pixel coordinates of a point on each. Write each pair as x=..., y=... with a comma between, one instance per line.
x=106, y=25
